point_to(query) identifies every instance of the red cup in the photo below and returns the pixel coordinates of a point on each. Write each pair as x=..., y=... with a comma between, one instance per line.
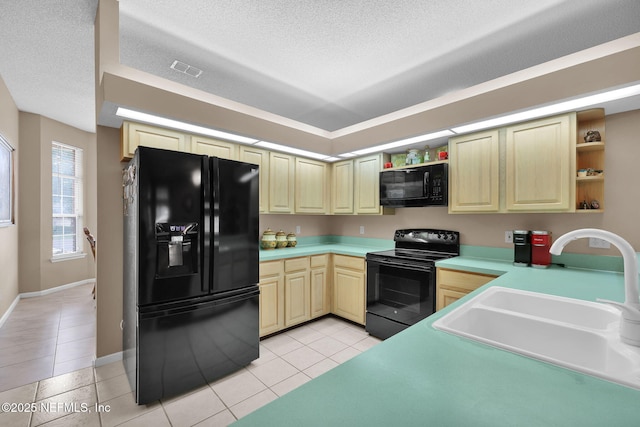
x=443, y=155
x=388, y=165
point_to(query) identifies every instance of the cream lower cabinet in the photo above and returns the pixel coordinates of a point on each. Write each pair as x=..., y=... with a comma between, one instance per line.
x=349, y=288
x=271, y=297
x=134, y=135
x=213, y=147
x=297, y=291
x=451, y=285
x=320, y=286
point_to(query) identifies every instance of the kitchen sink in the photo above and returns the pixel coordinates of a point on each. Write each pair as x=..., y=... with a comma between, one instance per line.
x=567, y=332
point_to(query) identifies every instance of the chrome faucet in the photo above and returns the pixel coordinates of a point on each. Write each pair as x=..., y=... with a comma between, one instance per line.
x=630, y=321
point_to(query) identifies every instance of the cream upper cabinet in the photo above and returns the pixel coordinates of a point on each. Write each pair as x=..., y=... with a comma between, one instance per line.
x=540, y=165
x=342, y=187
x=311, y=186
x=134, y=135
x=474, y=173
x=261, y=158
x=214, y=147
x=367, y=184
x=281, y=183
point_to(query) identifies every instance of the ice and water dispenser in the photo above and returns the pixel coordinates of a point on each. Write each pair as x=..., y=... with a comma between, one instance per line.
x=177, y=246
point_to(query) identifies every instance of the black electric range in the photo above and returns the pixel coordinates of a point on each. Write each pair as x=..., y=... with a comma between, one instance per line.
x=401, y=283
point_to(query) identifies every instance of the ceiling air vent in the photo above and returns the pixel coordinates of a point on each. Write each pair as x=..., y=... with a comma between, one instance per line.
x=186, y=68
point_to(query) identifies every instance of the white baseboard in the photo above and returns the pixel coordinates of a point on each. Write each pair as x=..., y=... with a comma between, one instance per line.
x=57, y=289
x=109, y=358
x=6, y=315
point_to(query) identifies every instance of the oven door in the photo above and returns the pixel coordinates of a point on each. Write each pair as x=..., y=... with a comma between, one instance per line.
x=400, y=291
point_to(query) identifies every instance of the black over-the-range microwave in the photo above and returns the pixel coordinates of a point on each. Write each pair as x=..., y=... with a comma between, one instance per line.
x=415, y=186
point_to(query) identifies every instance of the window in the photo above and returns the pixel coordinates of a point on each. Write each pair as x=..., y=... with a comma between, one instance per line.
x=66, y=190
x=6, y=183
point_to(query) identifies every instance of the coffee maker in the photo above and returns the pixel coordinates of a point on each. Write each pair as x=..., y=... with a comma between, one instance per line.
x=540, y=245
x=522, y=248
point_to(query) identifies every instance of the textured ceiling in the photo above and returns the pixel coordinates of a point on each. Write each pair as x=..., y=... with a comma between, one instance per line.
x=327, y=63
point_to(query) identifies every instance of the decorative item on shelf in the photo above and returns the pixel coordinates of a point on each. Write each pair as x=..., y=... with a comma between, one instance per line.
x=592, y=136
x=443, y=153
x=291, y=240
x=281, y=239
x=268, y=239
x=413, y=157
x=427, y=156
x=388, y=165
x=584, y=205
x=398, y=160
x=595, y=204
x=582, y=173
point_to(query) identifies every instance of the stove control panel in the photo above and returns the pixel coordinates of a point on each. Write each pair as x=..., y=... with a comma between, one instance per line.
x=427, y=236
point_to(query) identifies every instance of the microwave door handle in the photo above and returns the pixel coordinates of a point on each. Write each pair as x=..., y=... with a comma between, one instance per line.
x=425, y=182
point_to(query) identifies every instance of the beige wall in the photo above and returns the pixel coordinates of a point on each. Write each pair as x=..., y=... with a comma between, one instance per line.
x=9, y=128
x=37, y=272
x=109, y=235
x=621, y=216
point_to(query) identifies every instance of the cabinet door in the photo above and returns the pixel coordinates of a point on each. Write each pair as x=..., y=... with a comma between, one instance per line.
x=260, y=158
x=367, y=184
x=297, y=293
x=281, y=183
x=271, y=297
x=474, y=173
x=311, y=183
x=213, y=147
x=447, y=296
x=134, y=135
x=320, y=299
x=349, y=294
x=540, y=165
x=452, y=285
x=342, y=187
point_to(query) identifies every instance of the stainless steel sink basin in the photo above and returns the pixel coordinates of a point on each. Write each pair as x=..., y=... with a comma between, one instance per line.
x=574, y=334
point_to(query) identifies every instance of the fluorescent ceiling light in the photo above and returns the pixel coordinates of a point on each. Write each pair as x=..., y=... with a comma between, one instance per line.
x=175, y=124
x=347, y=155
x=331, y=159
x=403, y=142
x=278, y=147
x=572, y=105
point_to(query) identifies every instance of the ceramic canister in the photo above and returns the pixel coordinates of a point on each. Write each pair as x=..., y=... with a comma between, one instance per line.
x=291, y=240
x=268, y=239
x=281, y=239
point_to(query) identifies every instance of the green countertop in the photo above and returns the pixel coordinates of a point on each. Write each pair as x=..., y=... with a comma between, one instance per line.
x=352, y=246
x=423, y=376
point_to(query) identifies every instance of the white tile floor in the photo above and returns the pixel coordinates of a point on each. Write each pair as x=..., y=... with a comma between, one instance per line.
x=286, y=361
x=47, y=336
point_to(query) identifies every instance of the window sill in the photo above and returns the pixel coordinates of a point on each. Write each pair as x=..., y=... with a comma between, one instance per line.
x=67, y=257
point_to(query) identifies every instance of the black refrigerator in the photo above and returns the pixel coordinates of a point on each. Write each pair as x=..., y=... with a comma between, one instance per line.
x=191, y=296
